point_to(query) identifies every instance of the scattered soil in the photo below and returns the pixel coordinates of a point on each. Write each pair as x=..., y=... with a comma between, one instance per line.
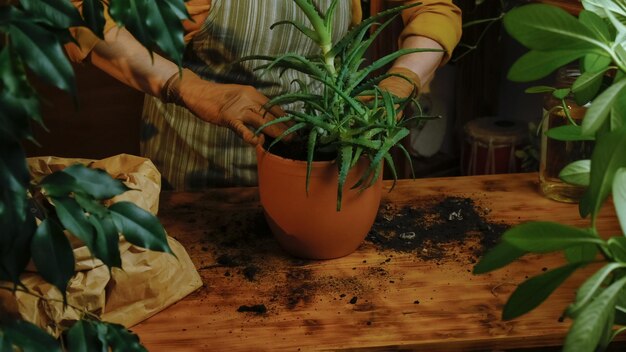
x=241, y=252
x=433, y=229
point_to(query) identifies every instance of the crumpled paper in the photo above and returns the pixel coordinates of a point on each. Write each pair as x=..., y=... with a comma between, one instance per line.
x=149, y=282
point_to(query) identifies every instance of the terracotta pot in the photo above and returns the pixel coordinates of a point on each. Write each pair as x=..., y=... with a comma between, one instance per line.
x=309, y=226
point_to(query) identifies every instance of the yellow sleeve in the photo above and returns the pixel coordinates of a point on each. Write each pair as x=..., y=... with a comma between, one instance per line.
x=439, y=20
x=87, y=40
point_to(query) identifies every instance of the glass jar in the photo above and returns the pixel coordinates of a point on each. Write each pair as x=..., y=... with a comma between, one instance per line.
x=555, y=155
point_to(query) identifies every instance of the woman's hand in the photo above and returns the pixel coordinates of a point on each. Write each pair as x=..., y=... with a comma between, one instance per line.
x=229, y=105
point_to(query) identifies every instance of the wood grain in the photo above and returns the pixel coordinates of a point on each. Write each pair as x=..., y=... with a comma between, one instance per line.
x=403, y=301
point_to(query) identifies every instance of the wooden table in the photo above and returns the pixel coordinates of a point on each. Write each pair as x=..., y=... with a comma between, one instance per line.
x=375, y=298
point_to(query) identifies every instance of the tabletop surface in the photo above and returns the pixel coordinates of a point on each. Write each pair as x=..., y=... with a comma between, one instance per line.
x=409, y=285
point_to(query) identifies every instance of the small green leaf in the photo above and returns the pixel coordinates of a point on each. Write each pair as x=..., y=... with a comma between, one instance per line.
x=41, y=51
x=538, y=64
x=561, y=93
x=74, y=220
x=608, y=157
x=29, y=337
x=595, y=62
x=548, y=28
x=532, y=292
x=568, y=133
x=52, y=255
x=96, y=182
x=542, y=237
x=139, y=227
x=120, y=339
x=57, y=13
x=583, y=253
x=587, y=329
x=83, y=336
x=600, y=108
x=619, y=196
x=539, y=89
x=59, y=184
x=617, y=248
x=576, y=173
x=587, y=86
x=106, y=244
x=590, y=288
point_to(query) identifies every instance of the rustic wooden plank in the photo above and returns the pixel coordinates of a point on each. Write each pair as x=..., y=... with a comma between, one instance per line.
x=403, y=300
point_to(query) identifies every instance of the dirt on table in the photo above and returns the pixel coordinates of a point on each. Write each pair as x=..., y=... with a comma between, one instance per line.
x=245, y=253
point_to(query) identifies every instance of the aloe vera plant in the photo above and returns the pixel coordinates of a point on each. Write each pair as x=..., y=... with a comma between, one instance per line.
x=597, y=39
x=350, y=116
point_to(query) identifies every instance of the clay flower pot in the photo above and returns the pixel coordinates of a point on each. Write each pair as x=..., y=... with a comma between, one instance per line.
x=309, y=226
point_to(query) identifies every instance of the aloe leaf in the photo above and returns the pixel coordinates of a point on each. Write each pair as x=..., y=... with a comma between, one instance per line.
x=312, y=13
x=330, y=15
x=311, y=119
x=52, y=255
x=365, y=72
x=586, y=331
x=273, y=122
x=607, y=158
x=577, y=172
x=287, y=132
x=380, y=153
x=390, y=111
x=309, y=156
x=548, y=28
x=537, y=64
x=408, y=158
x=599, y=110
x=349, y=37
x=590, y=288
x=392, y=168
x=344, y=159
x=363, y=142
x=532, y=292
x=304, y=30
x=543, y=237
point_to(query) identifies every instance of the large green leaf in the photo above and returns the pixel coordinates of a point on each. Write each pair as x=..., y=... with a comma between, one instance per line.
x=93, y=12
x=139, y=227
x=596, y=24
x=74, y=219
x=106, y=246
x=59, y=184
x=56, y=13
x=617, y=248
x=96, y=182
x=42, y=52
x=587, y=86
x=619, y=196
x=29, y=337
x=587, y=329
x=15, y=252
x=590, y=288
x=542, y=237
x=568, y=133
x=83, y=336
x=582, y=253
x=52, y=254
x=14, y=179
x=538, y=64
x=532, y=292
x=544, y=27
x=119, y=339
x=15, y=116
x=601, y=107
x=608, y=156
x=576, y=173
x=618, y=113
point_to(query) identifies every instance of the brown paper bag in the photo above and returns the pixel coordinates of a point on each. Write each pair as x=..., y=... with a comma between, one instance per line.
x=149, y=282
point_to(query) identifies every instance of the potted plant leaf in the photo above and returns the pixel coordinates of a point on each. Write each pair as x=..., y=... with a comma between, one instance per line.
x=34, y=214
x=322, y=204
x=597, y=40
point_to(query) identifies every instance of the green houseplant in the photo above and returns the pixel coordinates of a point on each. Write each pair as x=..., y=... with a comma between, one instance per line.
x=34, y=215
x=349, y=120
x=597, y=39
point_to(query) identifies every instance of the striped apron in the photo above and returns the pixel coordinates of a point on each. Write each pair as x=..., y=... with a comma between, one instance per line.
x=191, y=153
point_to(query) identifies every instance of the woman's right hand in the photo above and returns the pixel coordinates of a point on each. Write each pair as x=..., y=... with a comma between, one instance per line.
x=229, y=105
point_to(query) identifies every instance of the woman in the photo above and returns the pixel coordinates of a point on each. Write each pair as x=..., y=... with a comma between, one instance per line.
x=196, y=127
